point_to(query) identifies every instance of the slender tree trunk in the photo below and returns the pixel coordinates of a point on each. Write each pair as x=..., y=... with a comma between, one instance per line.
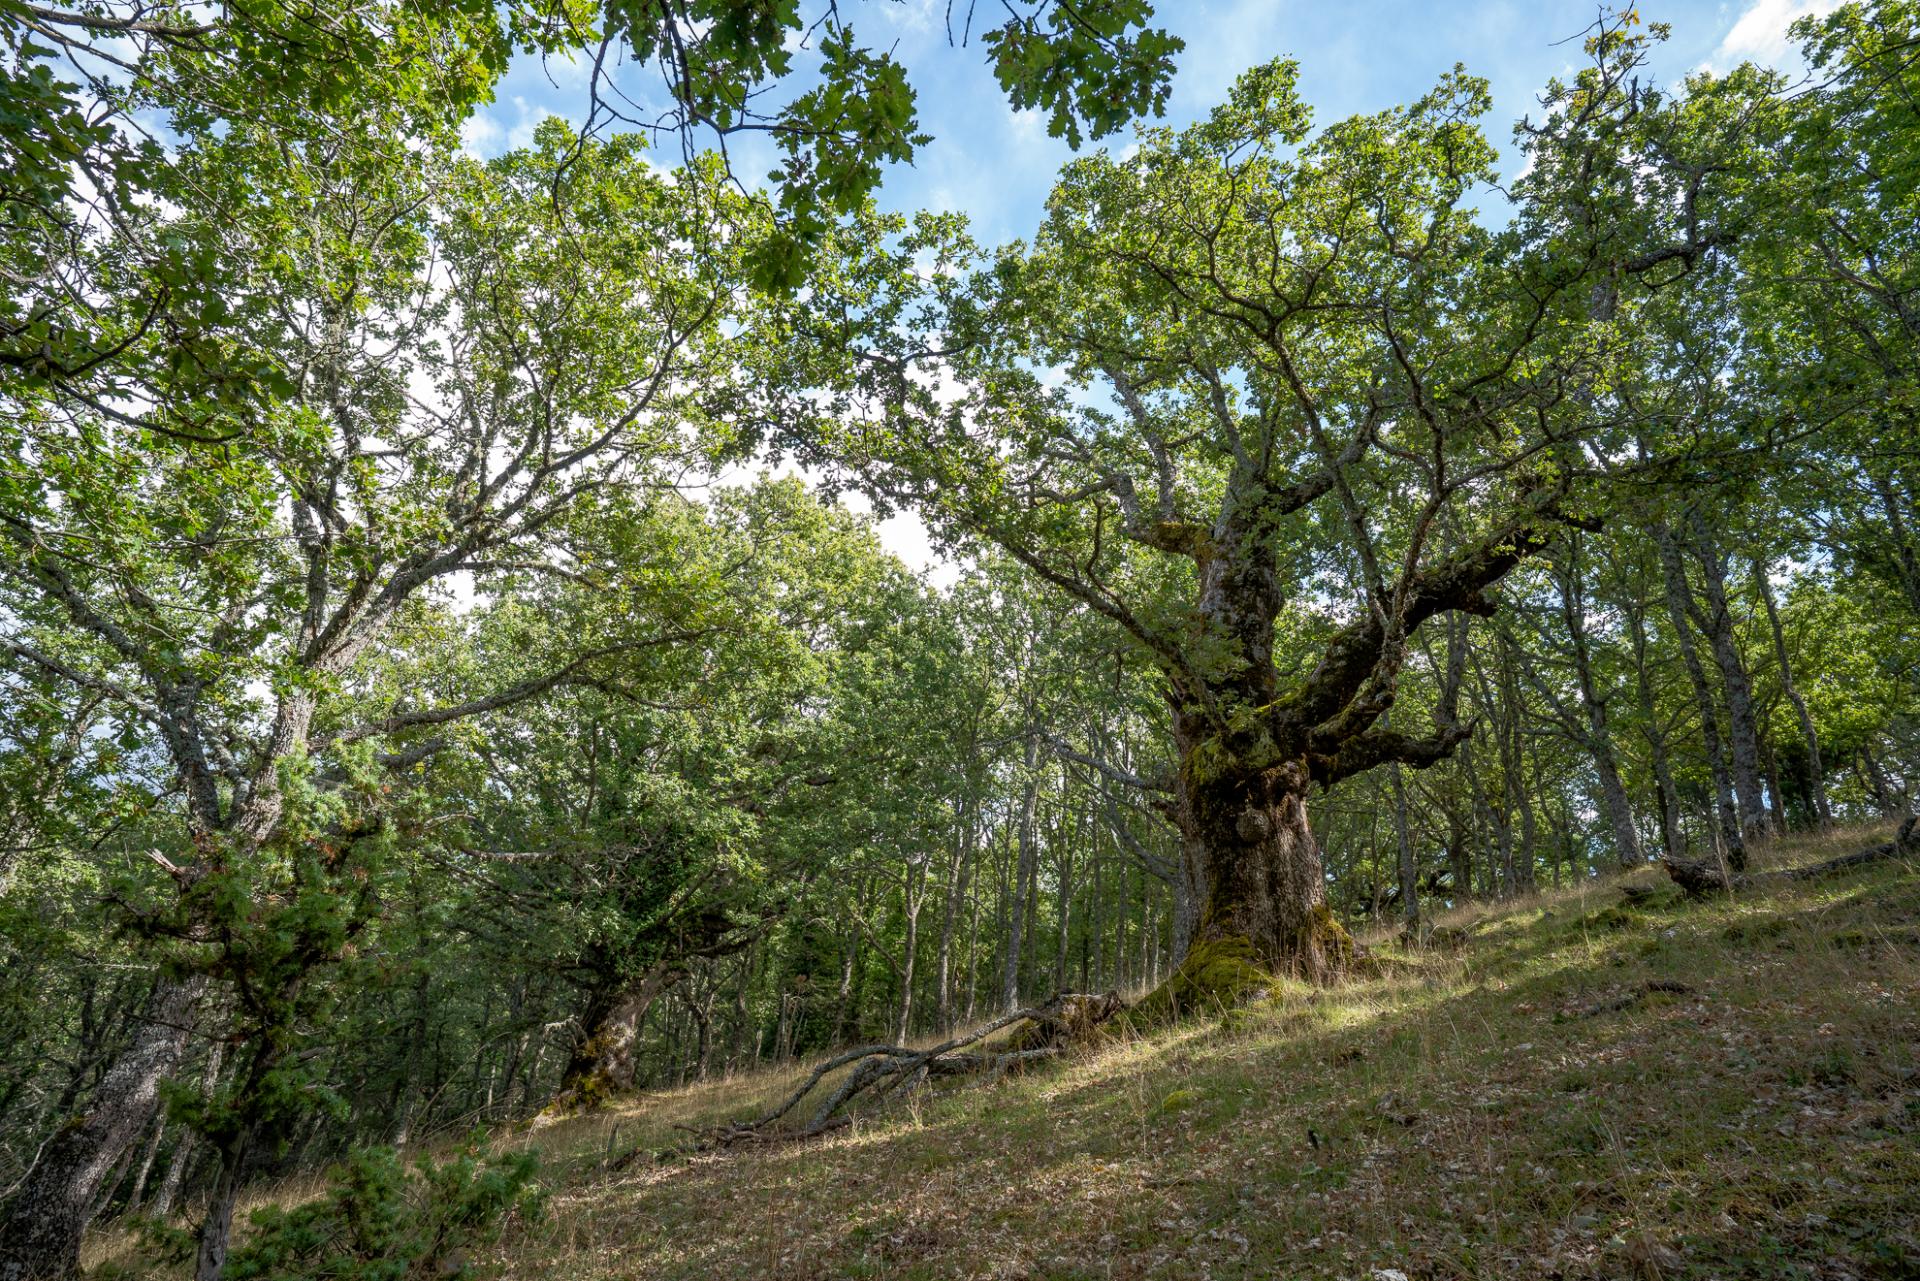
x=183, y=1147
x=737, y=1033
x=973, y=949
x=956, y=891
x=1513, y=759
x=44, y=1220
x=843, y=1016
x=1599, y=733
x=1527, y=858
x=1901, y=550
x=1743, y=734
x=1092, y=954
x=1770, y=764
x=702, y=1011
x=137, y=1197
x=1680, y=611
x=1023, y=876
x=1816, y=772
x=1672, y=842
x=915, y=891
x=216, y=1230
x=1459, y=855
x=1891, y=802
x=1409, y=878
x=1063, y=872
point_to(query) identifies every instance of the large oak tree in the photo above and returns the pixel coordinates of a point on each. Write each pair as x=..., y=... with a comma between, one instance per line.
x=1257, y=391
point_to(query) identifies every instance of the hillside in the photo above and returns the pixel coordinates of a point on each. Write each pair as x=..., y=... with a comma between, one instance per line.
x=1581, y=1088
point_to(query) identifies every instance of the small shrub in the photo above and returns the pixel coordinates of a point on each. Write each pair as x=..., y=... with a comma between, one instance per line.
x=383, y=1222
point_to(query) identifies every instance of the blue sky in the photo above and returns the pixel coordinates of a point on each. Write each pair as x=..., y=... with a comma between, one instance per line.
x=997, y=165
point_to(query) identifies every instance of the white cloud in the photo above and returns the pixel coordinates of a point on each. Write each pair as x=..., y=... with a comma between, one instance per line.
x=488, y=133
x=521, y=135
x=480, y=134
x=906, y=536
x=1760, y=33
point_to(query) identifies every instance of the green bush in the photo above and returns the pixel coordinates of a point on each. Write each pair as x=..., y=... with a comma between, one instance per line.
x=383, y=1222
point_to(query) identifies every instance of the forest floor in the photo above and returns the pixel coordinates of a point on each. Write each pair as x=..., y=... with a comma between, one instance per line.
x=1580, y=1088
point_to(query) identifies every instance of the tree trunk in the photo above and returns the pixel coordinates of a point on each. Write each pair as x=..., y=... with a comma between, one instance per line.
x=1599, y=734
x=138, y=1195
x=915, y=891
x=1252, y=852
x=1063, y=871
x=1091, y=954
x=601, y=1063
x=956, y=892
x=1816, y=773
x=1672, y=843
x=1891, y=802
x=216, y=1230
x=1023, y=875
x=1680, y=610
x=1459, y=856
x=1409, y=878
x=1744, y=736
x=702, y=1010
x=183, y=1148
x=45, y=1218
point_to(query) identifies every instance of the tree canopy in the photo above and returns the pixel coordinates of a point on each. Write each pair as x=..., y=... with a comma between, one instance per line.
x=428, y=699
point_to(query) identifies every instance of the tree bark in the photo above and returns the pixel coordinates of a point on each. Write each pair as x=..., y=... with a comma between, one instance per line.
x=1599, y=733
x=601, y=1062
x=1252, y=852
x=956, y=892
x=1673, y=843
x=1816, y=772
x=915, y=895
x=1680, y=611
x=44, y=1220
x=1743, y=734
x=216, y=1230
x=1409, y=879
x=183, y=1148
x=137, y=1196
x=1023, y=876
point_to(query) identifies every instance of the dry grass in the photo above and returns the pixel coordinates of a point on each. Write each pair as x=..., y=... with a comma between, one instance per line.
x=1715, y=1090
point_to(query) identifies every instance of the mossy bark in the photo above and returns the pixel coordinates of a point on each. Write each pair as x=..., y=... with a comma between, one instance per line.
x=601, y=1064
x=1251, y=851
x=1217, y=974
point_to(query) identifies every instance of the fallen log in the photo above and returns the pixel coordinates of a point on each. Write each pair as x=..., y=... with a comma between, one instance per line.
x=1701, y=879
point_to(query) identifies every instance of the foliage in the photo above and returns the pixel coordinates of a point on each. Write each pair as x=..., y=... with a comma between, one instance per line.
x=381, y=1221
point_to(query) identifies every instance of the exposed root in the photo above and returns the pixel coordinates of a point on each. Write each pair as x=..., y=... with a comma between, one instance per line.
x=1216, y=976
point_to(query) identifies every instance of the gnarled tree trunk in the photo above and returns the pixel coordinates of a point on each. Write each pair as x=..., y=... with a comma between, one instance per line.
x=1251, y=851
x=601, y=1062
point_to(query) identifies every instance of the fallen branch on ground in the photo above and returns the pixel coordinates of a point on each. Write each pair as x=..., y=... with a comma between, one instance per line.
x=1632, y=997
x=881, y=1069
x=1711, y=878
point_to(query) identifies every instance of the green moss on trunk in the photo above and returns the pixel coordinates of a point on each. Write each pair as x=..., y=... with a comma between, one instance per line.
x=1217, y=975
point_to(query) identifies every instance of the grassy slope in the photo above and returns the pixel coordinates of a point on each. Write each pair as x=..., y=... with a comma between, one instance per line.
x=1523, y=1107
x=1486, y=1113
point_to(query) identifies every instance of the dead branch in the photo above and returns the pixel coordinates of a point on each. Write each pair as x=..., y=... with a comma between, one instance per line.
x=1700, y=879
x=878, y=1070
